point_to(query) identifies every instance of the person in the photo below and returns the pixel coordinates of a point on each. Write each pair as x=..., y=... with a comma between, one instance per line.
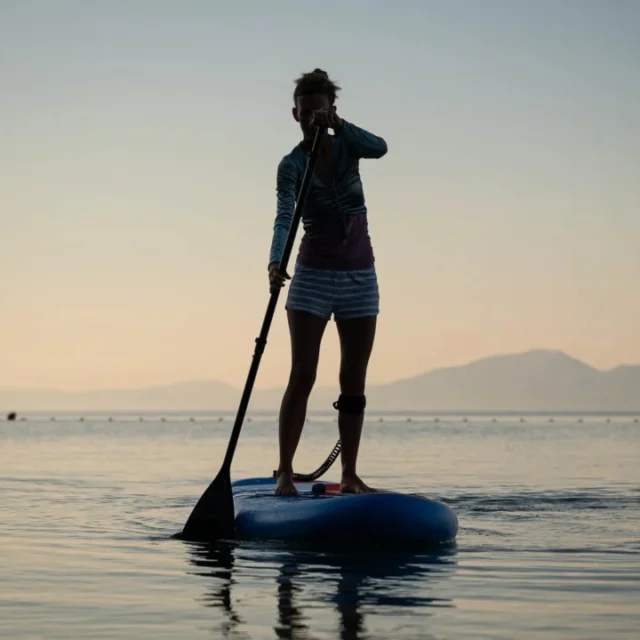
x=334, y=271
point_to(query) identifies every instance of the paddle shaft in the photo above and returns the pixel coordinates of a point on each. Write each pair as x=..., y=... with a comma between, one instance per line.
x=261, y=340
x=213, y=516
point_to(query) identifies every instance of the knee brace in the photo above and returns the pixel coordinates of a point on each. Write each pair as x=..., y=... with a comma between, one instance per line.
x=351, y=404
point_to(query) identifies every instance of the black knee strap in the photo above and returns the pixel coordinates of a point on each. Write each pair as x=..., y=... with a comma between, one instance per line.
x=351, y=404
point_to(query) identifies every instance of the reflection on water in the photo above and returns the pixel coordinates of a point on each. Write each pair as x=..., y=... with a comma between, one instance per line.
x=217, y=561
x=290, y=617
x=351, y=582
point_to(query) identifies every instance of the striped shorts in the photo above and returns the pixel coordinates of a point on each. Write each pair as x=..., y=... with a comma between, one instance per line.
x=346, y=294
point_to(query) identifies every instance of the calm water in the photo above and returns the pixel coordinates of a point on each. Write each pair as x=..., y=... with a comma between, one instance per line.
x=549, y=541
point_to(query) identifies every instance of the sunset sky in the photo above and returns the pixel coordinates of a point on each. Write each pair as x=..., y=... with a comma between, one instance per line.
x=139, y=142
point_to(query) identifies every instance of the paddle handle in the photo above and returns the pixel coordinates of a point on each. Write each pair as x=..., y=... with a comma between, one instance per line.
x=261, y=340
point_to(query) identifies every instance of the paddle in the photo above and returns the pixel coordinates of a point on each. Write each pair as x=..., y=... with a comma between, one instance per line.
x=213, y=517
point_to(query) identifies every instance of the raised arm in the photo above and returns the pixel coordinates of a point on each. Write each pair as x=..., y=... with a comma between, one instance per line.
x=286, y=202
x=361, y=143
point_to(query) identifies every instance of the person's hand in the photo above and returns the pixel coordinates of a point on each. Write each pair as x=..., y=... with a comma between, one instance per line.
x=328, y=118
x=276, y=279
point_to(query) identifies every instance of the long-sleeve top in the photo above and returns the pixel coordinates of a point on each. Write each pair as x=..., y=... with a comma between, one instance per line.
x=334, y=219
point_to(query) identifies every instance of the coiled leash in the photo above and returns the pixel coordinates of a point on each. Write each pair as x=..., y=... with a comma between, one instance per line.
x=348, y=404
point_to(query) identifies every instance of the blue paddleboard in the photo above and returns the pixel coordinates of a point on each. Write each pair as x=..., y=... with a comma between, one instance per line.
x=320, y=513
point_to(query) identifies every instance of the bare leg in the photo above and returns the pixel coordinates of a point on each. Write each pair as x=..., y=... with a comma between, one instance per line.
x=306, y=331
x=356, y=343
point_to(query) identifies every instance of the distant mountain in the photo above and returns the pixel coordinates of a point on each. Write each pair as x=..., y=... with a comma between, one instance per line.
x=194, y=396
x=532, y=381
x=540, y=380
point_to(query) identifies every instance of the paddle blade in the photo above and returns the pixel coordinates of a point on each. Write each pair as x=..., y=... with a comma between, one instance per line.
x=213, y=517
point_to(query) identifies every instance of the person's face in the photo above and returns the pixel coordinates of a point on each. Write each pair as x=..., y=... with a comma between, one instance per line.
x=305, y=106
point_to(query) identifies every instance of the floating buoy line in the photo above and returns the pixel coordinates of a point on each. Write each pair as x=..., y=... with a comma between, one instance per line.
x=469, y=419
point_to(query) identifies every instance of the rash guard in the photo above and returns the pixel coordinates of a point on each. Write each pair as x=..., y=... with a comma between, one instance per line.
x=336, y=234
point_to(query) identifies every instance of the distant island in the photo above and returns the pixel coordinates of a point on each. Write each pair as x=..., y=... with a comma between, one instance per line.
x=539, y=380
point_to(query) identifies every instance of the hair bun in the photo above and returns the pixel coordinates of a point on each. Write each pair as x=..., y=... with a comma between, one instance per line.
x=316, y=82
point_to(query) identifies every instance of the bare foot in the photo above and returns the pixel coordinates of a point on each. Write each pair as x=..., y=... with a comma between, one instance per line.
x=353, y=484
x=285, y=484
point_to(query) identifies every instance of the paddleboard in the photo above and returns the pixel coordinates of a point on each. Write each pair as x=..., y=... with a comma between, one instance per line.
x=321, y=513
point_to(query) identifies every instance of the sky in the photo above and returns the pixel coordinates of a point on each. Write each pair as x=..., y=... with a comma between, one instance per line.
x=138, y=150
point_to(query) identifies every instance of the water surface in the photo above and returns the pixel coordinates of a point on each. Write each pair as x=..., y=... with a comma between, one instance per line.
x=549, y=540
